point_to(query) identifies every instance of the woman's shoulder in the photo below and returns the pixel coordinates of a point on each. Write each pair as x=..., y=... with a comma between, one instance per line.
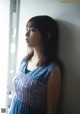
x=23, y=61
x=53, y=65
x=55, y=69
x=22, y=64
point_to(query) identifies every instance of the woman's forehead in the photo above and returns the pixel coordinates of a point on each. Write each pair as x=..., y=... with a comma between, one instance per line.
x=29, y=24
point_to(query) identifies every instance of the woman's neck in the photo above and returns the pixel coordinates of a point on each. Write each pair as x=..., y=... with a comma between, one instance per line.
x=37, y=54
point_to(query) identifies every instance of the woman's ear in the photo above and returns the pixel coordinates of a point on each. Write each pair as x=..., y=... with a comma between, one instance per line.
x=49, y=36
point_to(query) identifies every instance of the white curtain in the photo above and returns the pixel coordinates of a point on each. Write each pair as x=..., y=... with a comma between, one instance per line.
x=4, y=40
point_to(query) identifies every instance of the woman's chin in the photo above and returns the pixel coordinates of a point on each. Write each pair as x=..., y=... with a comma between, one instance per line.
x=28, y=45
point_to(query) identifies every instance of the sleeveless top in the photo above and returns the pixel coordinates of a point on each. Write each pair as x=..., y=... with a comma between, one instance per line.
x=31, y=89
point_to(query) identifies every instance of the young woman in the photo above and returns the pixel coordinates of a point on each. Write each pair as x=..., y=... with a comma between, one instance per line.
x=38, y=81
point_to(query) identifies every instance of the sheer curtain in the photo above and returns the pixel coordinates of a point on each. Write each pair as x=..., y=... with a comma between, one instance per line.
x=4, y=40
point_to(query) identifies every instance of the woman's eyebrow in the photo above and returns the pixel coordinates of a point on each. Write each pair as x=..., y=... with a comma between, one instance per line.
x=29, y=26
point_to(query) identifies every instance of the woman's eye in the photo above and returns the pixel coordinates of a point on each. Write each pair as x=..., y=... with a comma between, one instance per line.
x=33, y=29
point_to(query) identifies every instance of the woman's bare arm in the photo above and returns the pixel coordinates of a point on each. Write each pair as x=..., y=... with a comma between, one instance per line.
x=53, y=90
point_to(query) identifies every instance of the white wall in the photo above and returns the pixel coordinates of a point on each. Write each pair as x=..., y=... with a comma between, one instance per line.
x=68, y=17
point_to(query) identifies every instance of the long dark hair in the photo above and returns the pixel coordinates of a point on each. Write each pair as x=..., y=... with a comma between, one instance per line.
x=45, y=25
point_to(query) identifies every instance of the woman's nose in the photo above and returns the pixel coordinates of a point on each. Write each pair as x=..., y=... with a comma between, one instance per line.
x=27, y=33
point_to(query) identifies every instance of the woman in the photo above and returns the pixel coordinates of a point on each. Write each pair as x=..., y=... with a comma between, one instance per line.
x=38, y=81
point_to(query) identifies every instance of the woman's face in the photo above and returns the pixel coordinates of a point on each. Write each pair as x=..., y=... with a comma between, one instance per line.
x=33, y=36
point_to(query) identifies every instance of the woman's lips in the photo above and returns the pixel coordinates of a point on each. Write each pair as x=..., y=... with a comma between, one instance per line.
x=27, y=41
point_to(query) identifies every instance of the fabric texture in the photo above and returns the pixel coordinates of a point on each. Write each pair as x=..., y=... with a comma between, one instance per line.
x=31, y=89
